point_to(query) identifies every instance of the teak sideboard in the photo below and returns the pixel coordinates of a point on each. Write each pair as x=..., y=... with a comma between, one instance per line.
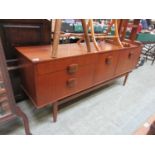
x=74, y=72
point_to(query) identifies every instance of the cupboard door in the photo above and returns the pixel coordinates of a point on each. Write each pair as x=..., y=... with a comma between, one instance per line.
x=127, y=60
x=106, y=66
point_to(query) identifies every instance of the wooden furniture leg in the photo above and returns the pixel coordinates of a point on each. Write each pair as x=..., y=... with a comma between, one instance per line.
x=86, y=34
x=126, y=77
x=117, y=34
x=22, y=115
x=55, y=111
x=85, y=28
x=56, y=37
x=93, y=35
x=153, y=60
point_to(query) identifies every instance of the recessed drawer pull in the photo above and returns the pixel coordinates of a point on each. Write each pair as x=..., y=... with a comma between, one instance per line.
x=71, y=69
x=108, y=60
x=130, y=55
x=71, y=83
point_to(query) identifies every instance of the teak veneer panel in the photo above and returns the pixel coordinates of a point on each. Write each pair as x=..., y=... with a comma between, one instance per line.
x=43, y=52
x=128, y=59
x=106, y=65
x=28, y=77
x=63, y=63
x=45, y=90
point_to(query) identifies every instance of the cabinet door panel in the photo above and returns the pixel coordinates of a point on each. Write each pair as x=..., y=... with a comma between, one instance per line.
x=106, y=66
x=127, y=60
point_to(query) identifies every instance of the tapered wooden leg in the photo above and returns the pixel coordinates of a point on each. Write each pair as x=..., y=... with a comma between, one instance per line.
x=56, y=38
x=153, y=60
x=85, y=30
x=22, y=115
x=55, y=111
x=126, y=77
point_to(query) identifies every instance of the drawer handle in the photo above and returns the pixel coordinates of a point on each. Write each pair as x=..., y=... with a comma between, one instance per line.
x=72, y=68
x=71, y=83
x=108, y=60
x=130, y=55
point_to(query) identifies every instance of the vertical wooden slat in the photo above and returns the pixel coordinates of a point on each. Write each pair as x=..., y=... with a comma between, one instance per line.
x=6, y=79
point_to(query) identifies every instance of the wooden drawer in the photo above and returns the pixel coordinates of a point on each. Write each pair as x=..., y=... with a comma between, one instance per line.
x=127, y=60
x=54, y=86
x=67, y=85
x=64, y=63
x=106, y=66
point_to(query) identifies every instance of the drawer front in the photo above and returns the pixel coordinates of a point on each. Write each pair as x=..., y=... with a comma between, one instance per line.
x=127, y=60
x=65, y=63
x=67, y=84
x=106, y=66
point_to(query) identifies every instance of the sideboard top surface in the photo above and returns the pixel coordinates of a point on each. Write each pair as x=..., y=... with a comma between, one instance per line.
x=41, y=53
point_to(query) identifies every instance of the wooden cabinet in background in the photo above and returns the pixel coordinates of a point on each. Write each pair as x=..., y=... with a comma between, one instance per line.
x=22, y=32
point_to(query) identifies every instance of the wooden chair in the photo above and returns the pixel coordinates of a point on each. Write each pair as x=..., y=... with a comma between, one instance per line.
x=8, y=108
x=86, y=36
x=57, y=34
x=104, y=35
